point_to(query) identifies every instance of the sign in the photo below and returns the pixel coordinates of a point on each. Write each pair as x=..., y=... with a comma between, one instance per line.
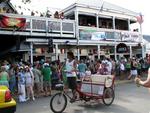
x=11, y=22
x=90, y=34
x=98, y=36
x=121, y=48
x=130, y=37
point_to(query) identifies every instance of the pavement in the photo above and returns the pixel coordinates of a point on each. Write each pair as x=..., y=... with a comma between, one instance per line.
x=117, y=81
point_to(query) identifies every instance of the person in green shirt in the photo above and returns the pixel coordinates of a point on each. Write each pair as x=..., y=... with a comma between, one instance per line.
x=47, y=73
x=64, y=77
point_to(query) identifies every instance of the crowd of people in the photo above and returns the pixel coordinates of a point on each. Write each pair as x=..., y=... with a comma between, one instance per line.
x=30, y=81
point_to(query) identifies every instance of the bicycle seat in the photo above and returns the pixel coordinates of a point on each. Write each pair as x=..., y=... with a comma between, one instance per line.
x=59, y=86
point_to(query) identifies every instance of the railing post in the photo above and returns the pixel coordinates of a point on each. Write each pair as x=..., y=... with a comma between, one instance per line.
x=31, y=27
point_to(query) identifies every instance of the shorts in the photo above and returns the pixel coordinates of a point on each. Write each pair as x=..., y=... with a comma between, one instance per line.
x=72, y=84
x=134, y=72
x=47, y=84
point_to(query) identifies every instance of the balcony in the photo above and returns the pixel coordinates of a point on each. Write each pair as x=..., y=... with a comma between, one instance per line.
x=41, y=26
x=107, y=35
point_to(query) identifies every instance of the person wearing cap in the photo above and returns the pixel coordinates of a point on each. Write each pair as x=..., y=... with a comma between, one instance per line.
x=47, y=73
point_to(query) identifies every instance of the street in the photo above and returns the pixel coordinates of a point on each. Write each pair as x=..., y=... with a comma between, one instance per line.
x=129, y=99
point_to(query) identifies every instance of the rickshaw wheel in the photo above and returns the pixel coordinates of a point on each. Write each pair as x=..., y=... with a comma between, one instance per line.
x=108, y=96
x=58, y=103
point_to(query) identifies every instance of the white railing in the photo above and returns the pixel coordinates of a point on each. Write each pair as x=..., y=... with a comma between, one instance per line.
x=47, y=26
x=87, y=33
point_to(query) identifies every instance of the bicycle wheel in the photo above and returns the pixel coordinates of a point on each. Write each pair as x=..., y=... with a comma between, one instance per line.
x=108, y=96
x=58, y=103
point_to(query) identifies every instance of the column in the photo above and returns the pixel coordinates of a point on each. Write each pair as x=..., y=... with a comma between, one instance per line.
x=129, y=24
x=31, y=52
x=97, y=22
x=115, y=52
x=56, y=51
x=77, y=32
x=114, y=26
x=143, y=51
x=98, y=51
x=130, y=51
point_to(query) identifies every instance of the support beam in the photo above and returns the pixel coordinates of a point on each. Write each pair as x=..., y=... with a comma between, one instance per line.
x=77, y=32
x=31, y=52
x=56, y=52
x=130, y=51
x=98, y=51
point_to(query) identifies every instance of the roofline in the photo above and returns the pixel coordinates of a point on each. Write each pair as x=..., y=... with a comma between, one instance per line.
x=11, y=5
x=134, y=14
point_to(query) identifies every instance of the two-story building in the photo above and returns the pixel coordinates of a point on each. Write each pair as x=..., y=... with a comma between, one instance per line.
x=91, y=28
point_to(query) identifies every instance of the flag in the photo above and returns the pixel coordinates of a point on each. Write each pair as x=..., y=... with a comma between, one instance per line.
x=140, y=18
x=11, y=22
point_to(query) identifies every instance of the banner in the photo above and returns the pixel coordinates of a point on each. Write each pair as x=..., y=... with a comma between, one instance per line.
x=11, y=22
x=87, y=34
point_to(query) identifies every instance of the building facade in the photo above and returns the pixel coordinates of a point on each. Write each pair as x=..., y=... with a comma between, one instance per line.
x=91, y=29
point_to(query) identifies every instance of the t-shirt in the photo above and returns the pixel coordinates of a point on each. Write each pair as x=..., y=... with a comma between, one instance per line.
x=46, y=71
x=82, y=67
x=69, y=68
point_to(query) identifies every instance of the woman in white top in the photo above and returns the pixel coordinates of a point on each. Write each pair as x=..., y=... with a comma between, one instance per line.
x=29, y=82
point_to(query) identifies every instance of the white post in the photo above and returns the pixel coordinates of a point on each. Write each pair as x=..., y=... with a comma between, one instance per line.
x=130, y=51
x=98, y=51
x=77, y=32
x=129, y=24
x=142, y=44
x=115, y=52
x=31, y=52
x=56, y=51
x=114, y=26
x=97, y=21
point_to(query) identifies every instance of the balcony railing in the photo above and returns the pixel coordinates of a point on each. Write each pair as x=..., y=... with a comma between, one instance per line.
x=42, y=26
x=93, y=33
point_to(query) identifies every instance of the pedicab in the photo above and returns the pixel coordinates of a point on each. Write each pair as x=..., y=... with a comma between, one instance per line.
x=94, y=87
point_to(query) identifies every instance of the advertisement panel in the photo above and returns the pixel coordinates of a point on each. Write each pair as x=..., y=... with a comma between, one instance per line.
x=95, y=35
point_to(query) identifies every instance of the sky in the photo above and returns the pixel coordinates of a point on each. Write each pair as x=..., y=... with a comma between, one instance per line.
x=139, y=6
